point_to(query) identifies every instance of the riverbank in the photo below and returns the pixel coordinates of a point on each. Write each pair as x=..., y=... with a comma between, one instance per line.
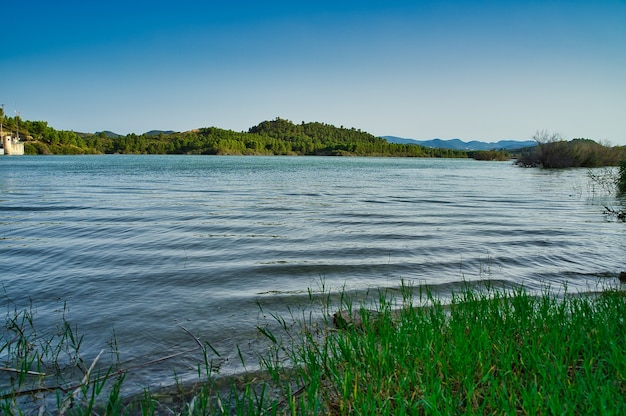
x=485, y=351
x=489, y=351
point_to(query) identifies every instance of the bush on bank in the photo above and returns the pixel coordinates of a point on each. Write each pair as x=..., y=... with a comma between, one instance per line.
x=554, y=152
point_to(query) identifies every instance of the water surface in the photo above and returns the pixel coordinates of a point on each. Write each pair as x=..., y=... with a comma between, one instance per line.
x=141, y=245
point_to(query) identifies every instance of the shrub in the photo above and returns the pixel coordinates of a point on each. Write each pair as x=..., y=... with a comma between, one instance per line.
x=552, y=151
x=497, y=155
x=36, y=148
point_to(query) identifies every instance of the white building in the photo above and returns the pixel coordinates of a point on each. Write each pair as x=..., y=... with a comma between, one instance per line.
x=11, y=146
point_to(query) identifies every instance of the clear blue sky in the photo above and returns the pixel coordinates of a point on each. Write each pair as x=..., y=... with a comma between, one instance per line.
x=475, y=70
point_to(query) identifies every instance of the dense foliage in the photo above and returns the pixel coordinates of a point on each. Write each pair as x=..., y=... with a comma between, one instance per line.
x=491, y=155
x=276, y=137
x=552, y=151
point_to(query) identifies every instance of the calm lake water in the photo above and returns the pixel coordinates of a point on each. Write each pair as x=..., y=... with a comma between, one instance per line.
x=141, y=245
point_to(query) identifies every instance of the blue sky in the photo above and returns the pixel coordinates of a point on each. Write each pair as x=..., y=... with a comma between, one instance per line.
x=480, y=70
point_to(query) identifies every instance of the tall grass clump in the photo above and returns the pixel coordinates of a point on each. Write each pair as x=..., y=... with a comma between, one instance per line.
x=47, y=371
x=487, y=352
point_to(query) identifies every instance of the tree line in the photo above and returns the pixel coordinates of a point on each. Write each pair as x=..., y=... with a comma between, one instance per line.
x=283, y=137
x=554, y=152
x=276, y=137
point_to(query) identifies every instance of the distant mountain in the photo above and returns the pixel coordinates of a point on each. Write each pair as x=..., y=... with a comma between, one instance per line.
x=152, y=133
x=457, y=144
x=108, y=134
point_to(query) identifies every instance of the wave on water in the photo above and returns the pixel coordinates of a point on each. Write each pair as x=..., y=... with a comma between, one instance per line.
x=140, y=245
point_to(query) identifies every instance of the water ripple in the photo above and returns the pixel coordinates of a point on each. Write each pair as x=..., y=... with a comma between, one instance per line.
x=141, y=244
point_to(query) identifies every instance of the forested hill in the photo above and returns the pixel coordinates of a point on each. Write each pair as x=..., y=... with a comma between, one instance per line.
x=286, y=130
x=324, y=139
x=276, y=137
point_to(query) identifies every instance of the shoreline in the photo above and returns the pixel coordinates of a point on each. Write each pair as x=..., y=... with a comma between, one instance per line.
x=323, y=360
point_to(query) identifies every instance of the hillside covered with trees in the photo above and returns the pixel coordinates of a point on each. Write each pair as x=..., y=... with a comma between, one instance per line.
x=283, y=137
x=276, y=137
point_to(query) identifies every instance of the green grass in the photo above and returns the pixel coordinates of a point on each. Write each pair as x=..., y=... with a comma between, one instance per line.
x=487, y=351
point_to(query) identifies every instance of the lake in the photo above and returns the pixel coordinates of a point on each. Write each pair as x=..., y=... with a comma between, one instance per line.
x=138, y=246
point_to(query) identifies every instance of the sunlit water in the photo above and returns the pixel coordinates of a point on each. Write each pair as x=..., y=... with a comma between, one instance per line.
x=139, y=246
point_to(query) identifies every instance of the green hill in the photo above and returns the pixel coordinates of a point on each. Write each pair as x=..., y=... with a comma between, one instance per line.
x=276, y=137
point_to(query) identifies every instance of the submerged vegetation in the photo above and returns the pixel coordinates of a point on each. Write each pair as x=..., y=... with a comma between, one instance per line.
x=487, y=351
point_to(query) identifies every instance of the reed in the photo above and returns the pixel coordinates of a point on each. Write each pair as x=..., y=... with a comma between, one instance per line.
x=486, y=350
x=47, y=371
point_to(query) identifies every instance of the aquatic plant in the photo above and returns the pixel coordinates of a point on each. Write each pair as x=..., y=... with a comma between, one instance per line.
x=485, y=350
x=47, y=369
